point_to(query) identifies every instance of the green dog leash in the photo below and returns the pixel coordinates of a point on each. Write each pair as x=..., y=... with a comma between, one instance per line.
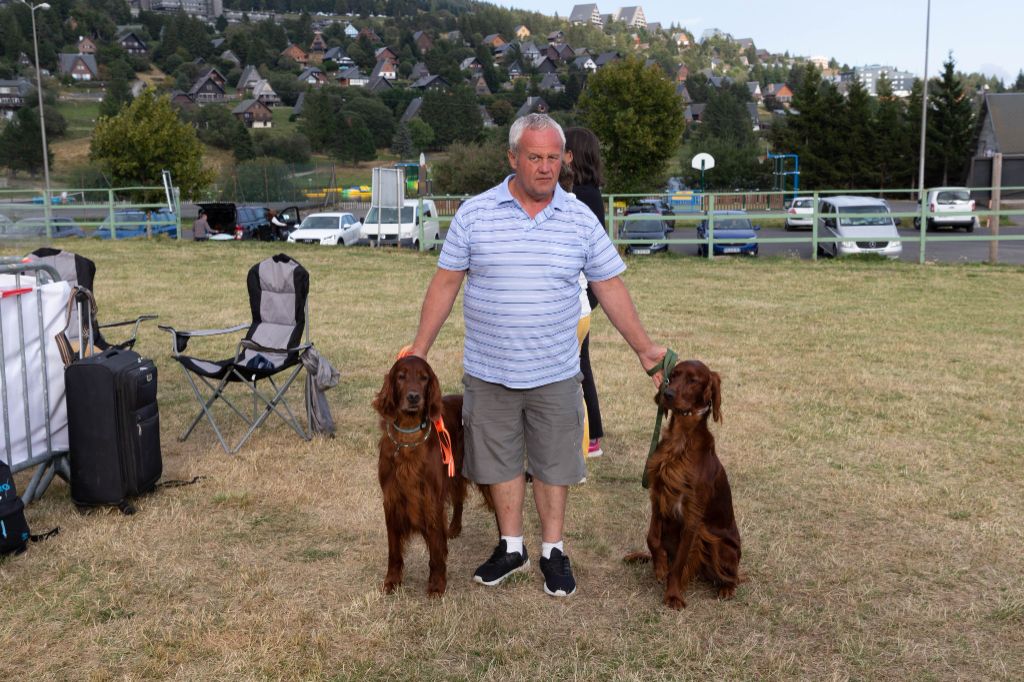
x=665, y=367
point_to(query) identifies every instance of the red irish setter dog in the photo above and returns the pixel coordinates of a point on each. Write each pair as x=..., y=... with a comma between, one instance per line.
x=413, y=478
x=692, y=523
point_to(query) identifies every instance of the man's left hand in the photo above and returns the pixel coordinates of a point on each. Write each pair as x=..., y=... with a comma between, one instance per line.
x=651, y=357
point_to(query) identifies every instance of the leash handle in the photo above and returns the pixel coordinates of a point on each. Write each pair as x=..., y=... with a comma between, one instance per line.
x=666, y=365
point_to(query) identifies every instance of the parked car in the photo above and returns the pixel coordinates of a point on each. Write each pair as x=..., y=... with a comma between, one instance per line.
x=328, y=229
x=284, y=222
x=391, y=226
x=800, y=213
x=644, y=229
x=131, y=222
x=950, y=207
x=34, y=228
x=734, y=234
x=863, y=225
x=229, y=221
x=654, y=205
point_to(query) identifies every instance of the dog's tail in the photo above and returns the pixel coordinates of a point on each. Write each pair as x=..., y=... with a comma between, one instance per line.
x=637, y=557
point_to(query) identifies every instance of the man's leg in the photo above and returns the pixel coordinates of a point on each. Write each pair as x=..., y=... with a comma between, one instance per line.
x=550, y=501
x=508, y=505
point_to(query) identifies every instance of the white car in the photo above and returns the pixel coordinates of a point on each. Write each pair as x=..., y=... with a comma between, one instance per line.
x=951, y=207
x=861, y=224
x=799, y=213
x=328, y=229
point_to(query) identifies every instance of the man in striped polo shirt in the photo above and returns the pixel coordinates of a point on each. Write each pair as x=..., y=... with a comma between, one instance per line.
x=524, y=244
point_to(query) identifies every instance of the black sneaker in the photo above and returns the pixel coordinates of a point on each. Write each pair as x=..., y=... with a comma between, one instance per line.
x=501, y=565
x=558, y=580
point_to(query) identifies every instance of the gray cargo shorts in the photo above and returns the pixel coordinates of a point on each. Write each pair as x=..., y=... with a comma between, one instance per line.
x=508, y=430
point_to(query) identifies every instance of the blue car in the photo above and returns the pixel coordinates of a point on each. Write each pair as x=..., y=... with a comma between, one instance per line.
x=131, y=222
x=733, y=234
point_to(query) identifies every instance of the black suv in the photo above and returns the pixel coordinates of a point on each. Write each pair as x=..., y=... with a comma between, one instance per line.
x=654, y=205
x=249, y=222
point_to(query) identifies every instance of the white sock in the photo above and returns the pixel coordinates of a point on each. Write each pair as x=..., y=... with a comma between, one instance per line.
x=513, y=544
x=546, y=547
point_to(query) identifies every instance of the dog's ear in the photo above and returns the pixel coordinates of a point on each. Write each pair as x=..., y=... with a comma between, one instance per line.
x=713, y=394
x=433, y=398
x=385, y=402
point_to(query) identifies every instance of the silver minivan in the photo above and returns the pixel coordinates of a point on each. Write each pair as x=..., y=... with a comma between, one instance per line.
x=861, y=225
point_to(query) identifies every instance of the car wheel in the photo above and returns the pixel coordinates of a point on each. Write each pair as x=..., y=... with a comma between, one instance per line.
x=701, y=251
x=970, y=227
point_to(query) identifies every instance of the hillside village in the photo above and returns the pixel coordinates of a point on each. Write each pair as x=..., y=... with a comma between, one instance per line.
x=418, y=80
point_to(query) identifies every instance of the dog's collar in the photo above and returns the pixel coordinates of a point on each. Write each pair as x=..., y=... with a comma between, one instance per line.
x=700, y=413
x=424, y=427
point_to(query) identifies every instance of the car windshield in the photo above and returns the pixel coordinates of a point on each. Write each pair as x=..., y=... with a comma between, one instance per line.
x=319, y=222
x=864, y=215
x=643, y=227
x=390, y=215
x=802, y=203
x=732, y=224
x=35, y=226
x=953, y=196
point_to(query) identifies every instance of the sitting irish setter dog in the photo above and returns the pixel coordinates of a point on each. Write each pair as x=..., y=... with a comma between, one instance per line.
x=692, y=523
x=413, y=478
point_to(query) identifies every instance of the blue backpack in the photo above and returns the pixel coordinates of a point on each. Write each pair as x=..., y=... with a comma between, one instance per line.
x=14, y=532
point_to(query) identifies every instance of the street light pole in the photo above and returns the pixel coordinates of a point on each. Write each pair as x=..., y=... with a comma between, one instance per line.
x=924, y=105
x=47, y=209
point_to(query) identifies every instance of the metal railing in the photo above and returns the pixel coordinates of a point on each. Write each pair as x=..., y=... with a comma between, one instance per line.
x=112, y=213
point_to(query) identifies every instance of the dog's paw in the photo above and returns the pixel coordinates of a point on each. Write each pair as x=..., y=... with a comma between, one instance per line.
x=660, y=571
x=436, y=589
x=674, y=602
x=727, y=592
x=454, y=530
x=390, y=586
x=637, y=557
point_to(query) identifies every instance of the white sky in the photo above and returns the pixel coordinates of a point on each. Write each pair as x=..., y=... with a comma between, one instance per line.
x=985, y=36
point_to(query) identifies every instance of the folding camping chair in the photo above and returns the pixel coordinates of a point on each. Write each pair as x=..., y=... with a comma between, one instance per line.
x=278, y=292
x=80, y=273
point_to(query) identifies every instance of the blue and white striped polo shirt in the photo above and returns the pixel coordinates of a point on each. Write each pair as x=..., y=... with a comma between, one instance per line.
x=521, y=302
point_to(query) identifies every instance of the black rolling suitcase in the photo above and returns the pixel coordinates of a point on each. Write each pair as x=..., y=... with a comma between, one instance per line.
x=113, y=428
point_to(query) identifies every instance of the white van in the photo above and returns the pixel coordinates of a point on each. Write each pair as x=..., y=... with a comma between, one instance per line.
x=862, y=224
x=390, y=226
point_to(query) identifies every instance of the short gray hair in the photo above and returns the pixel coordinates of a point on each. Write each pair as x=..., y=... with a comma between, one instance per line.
x=532, y=122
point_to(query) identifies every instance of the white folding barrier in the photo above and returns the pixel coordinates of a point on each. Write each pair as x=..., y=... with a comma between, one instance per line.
x=33, y=419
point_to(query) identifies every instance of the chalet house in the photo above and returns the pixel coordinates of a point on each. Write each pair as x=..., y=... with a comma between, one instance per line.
x=584, y=63
x=371, y=35
x=12, y=96
x=86, y=45
x=521, y=32
x=551, y=82
x=501, y=50
x=181, y=100
x=683, y=93
x=130, y=42
x=385, y=69
x=352, y=76
x=754, y=88
x=215, y=74
x=1001, y=131
x=206, y=90
x=230, y=57
x=351, y=31
x=745, y=43
x=412, y=110
x=217, y=42
x=264, y=93
x=338, y=56
x=249, y=78
x=379, y=84
x=317, y=48
x=494, y=40
x=529, y=51
x=515, y=70
x=755, y=118
x=693, y=112
x=682, y=73
x=532, y=105
x=313, y=77
x=471, y=64
x=432, y=83
x=607, y=58
x=565, y=52
x=486, y=117
x=778, y=93
x=543, y=64
x=653, y=27
x=423, y=41
x=81, y=67
x=681, y=39
x=556, y=37
x=479, y=85
x=296, y=54
x=254, y=114
x=586, y=14
x=631, y=16
x=419, y=70
x=454, y=37
x=385, y=52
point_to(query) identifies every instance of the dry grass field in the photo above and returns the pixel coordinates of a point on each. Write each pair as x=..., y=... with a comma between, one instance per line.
x=872, y=433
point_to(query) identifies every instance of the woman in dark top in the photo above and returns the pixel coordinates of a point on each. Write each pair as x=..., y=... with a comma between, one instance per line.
x=587, y=178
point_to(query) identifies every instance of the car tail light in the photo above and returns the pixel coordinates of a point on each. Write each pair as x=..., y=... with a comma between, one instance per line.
x=238, y=231
x=931, y=207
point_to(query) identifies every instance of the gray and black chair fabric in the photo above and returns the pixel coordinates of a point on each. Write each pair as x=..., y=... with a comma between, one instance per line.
x=80, y=273
x=272, y=346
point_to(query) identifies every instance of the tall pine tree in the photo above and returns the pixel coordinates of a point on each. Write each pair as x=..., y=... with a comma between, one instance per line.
x=950, y=127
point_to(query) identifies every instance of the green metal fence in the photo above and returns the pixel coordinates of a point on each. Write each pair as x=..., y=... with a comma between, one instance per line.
x=114, y=213
x=691, y=208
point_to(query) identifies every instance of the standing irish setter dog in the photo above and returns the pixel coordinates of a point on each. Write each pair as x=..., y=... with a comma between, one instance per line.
x=413, y=478
x=692, y=523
